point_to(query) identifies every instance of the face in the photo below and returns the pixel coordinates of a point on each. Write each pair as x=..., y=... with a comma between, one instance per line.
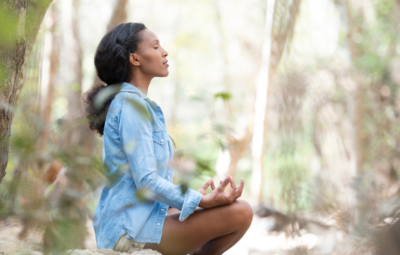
x=151, y=58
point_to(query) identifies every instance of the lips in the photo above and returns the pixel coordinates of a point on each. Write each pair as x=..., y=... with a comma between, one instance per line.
x=166, y=63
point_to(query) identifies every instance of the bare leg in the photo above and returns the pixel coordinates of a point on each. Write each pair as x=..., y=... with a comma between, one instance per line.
x=172, y=210
x=223, y=243
x=207, y=231
x=230, y=239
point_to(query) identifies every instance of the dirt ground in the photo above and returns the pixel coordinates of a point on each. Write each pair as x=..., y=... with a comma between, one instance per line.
x=257, y=241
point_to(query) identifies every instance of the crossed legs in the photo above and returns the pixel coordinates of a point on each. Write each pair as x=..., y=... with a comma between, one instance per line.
x=206, y=231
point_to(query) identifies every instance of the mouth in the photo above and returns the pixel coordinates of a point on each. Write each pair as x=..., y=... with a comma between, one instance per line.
x=166, y=63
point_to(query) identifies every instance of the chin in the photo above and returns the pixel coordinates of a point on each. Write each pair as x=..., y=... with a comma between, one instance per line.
x=165, y=74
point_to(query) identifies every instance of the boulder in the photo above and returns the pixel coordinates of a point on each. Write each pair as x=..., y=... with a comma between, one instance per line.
x=13, y=246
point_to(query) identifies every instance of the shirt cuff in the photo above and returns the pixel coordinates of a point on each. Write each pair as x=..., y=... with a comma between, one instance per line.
x=192, y=200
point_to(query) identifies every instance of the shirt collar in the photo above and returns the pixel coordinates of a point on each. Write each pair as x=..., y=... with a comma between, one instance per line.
x=127, y=87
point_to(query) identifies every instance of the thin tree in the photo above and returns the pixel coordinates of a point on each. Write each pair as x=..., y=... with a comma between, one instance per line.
x=261, y=102
x=280, y=20
x=54, y=66
x=19, y=23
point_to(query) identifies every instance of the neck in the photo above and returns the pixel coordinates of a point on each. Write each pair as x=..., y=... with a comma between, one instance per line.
x=140, y=81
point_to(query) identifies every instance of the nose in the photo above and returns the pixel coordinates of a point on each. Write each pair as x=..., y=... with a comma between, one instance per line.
x=165, y=53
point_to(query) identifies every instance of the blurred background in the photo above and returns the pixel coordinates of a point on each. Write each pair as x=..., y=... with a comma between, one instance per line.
x=299, y=97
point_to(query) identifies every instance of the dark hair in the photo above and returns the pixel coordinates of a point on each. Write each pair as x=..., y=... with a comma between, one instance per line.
x=112, y=66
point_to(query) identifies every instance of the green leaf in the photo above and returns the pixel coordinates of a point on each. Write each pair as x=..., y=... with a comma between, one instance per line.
x=184, y=187
x=223, y=95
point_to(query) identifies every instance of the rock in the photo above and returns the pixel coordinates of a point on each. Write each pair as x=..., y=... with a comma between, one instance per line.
x=13, y=246
x=111, y=252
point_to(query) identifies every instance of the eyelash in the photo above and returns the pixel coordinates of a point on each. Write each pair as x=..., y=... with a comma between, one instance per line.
x=155, y=47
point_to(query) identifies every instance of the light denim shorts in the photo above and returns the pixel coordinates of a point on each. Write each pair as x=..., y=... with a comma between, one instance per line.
x=124, y=244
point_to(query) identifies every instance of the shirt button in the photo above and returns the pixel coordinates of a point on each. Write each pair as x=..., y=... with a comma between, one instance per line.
x=162, y=209
x=162, y=140
x=168, y=177
x=158, y=223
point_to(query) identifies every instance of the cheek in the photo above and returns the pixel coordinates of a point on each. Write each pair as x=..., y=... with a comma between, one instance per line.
x=150, y=59
x=152, y=64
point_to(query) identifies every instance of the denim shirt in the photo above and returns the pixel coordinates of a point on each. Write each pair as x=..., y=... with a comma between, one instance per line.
x=136, y=152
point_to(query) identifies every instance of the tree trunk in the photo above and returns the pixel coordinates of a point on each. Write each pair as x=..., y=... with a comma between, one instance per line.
x=76, y=139
x=72, y=138
x=119, y=16
x=236, y=150
x=358, y=100
x=54, y=66
x=19, y=28
x=280, y=29
x=260, y=104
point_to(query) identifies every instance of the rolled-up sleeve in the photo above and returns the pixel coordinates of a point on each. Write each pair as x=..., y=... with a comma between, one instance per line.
x=135, y=128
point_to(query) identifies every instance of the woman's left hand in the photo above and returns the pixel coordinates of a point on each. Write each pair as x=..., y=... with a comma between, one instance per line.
x=203, y=189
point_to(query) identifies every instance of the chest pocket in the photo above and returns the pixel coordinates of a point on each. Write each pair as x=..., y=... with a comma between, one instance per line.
x=160, y=143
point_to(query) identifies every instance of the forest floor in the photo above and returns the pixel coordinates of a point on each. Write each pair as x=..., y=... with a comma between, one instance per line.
x=257, y=241
x=316, y=240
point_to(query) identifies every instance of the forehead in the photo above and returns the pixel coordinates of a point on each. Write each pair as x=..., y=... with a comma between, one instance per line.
x=148, y=36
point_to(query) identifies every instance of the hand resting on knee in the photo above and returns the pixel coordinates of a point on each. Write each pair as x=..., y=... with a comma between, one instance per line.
x=217, y=196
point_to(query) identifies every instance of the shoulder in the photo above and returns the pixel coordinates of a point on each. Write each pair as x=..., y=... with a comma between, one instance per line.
x=128, y=95
x=132, y=101
x=132, y=107
x=122, y=98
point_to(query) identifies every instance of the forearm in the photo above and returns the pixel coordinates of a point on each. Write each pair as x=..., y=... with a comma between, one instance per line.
x=171, y=194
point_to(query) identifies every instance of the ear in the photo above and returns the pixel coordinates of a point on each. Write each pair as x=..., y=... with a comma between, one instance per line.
x=133, y=59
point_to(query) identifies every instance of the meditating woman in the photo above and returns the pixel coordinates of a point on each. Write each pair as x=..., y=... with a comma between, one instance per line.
x=136, y=153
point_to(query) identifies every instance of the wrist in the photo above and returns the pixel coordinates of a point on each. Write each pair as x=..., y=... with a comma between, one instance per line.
x=204, y=203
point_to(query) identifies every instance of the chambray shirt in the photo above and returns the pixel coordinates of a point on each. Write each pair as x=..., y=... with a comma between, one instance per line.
x=136, y=151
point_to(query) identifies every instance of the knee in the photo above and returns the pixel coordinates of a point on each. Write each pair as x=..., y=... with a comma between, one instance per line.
x=243, y=211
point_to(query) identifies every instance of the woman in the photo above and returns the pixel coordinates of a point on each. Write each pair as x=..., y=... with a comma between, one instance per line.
x=136, y=152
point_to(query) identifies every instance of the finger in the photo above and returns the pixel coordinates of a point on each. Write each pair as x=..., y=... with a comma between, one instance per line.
x=239, y=188
x=241, y=184
x=205, y=186
x=232, y=194
x=224, y=183
x=212, y=185
x=233, y=185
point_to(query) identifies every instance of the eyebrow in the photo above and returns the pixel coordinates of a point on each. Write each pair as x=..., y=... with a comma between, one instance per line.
x=154, y=41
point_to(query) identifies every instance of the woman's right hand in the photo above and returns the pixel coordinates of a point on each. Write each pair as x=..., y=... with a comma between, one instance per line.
x=218, y=197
